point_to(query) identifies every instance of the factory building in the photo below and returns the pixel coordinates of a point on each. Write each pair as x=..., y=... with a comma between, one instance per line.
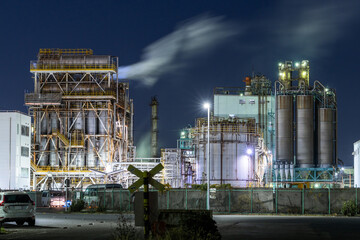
x=306, y=126
x=241, y=137
x=15, y=146
x=82, y=118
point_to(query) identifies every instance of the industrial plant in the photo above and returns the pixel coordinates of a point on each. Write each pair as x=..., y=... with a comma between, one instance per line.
x=262, y=134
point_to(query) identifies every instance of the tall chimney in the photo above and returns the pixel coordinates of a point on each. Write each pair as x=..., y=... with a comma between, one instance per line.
x=154, y=127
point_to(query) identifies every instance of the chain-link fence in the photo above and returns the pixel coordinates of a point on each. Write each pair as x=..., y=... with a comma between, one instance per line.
x=242, y=201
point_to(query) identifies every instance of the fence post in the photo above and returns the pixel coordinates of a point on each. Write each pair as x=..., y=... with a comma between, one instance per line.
x=229, y=200
x=104, y=197
x=276, y=200
x=186, y=199
x=329, y=201
x=167, y=199
x=303, y=201
x=129, y=201
x=112, y=199
x=251, y=201
x=120, y=202
x=356, y=200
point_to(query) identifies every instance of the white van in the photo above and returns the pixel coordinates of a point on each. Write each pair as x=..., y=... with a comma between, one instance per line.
x=17, y=207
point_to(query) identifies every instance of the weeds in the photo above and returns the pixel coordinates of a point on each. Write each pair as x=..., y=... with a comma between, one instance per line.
x=349, y=208
x=77, y=206
x=124, y=230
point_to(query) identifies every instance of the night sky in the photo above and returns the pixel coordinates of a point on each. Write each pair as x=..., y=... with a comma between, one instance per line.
x=181, y=50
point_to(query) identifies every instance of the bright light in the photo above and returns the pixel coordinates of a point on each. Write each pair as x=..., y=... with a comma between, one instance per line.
x=280, y=64
x=342, y=168
x=269, y=152
x=317, y=185
x=303, y=63
x=297, y=64
x=108, y=169
x=249, y=151
x=207, y=105
x=326, y=89
x=304, y=73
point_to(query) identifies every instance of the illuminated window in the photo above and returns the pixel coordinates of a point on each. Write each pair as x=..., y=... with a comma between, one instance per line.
x=242, y=101
x=251, y=101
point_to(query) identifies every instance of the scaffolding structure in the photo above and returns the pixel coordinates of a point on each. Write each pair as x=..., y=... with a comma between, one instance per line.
x=82, y=117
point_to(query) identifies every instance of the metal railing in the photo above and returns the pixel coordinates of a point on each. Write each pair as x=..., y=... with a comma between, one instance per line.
x=36, y=66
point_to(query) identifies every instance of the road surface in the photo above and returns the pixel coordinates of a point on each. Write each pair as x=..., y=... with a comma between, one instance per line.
x=62, y=226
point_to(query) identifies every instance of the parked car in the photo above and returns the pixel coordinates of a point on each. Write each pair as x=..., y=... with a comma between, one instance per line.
x=17, y=207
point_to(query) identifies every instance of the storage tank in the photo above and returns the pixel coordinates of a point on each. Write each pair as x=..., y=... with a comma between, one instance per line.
x=43, y=159
x=325, y=137
x=284, y=128
x=54, y=160
x=305, y=131
x=91, y=127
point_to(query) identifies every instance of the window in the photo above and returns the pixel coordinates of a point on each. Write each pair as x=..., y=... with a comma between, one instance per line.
x=17, y=129
x=24, y=151
x=251, y=101
x=242, y=101
x=24, y=172
x=24, y=130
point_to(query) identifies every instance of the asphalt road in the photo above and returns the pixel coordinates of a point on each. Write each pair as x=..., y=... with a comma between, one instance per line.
x=234, y=227
x=101, y=226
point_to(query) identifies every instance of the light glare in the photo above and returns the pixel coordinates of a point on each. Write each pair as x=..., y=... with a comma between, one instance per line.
x=207, y=105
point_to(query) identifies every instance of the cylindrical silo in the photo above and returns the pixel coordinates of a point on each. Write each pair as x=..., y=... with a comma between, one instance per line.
x=200, y=154
x=43, y=159
x=78, y=118
x=91, y=156
x=284, y=126
x=44, y=124
x=304, y=131
x=54, y=122
x=103, y=122
x=325, y=137
x=80, y=160
x=54, y=160
x=91, y=125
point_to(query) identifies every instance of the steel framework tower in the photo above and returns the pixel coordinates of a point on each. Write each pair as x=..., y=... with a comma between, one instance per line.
x=82, y=117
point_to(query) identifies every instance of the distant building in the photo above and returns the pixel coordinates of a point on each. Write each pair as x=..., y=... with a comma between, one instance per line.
x=15, y=128
x=356, y=154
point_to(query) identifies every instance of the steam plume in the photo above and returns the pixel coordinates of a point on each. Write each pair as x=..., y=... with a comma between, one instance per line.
x=192, y=38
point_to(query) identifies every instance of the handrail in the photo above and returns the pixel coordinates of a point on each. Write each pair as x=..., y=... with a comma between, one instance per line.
x=35, y=65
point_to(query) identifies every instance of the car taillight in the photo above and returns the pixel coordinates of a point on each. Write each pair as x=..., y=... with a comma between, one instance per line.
x=2, y=203
x=33, y=203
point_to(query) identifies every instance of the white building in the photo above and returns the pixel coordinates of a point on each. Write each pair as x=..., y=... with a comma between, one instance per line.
x=356, y=154
x=15, y=144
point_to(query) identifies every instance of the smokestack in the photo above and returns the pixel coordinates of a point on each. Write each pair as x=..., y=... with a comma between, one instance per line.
x=154, y=127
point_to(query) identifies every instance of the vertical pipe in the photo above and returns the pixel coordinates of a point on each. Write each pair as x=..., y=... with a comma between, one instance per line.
x=154, y=126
